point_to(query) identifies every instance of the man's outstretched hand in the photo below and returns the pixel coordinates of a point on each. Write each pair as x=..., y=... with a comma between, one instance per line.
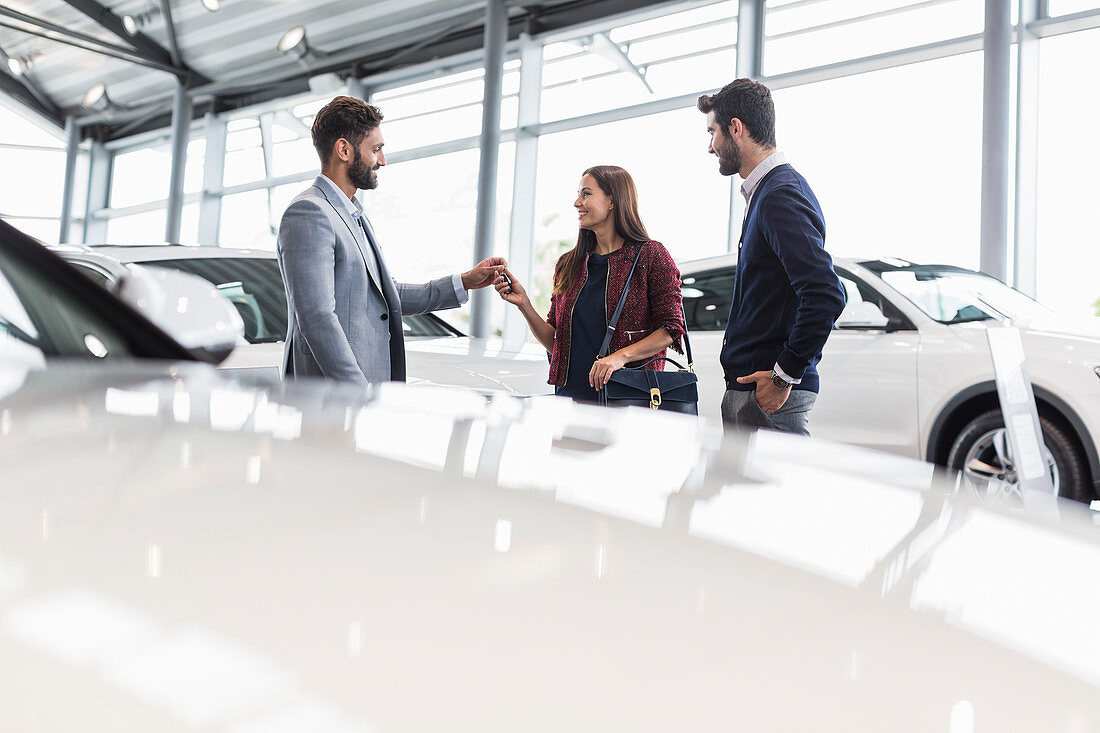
x=484, y=273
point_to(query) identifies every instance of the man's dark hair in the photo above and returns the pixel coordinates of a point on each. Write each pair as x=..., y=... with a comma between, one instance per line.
x=747, y=100
x=343, y=117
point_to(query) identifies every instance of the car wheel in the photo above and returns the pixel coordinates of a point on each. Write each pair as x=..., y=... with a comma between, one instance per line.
x=981, y=451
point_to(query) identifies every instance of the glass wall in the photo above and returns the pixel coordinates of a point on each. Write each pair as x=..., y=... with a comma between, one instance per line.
x=680, y=53
x=800, y=34
x=893, y=154
x=900, y=179
x=1068, y=241
x=34, y=158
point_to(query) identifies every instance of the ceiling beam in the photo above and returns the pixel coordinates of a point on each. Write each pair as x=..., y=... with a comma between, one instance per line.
x=144, y=45
x=22, y=90
x=173, y=44
x=434, y=42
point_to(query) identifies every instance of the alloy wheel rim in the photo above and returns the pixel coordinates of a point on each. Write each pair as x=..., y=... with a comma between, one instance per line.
x=990, y=458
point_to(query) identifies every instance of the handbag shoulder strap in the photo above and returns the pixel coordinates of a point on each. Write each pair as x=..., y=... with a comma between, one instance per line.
x=687, y=341
x=619, y=308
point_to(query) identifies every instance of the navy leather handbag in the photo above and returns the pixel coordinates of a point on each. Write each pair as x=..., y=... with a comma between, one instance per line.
x=677, y=391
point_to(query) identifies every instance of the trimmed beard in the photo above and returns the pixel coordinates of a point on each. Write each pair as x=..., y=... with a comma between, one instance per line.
x=729, y=158
x=362, y=176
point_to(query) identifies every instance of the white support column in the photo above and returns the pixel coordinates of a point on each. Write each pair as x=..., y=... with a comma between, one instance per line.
x=750, y=55
x=267, y=144
x=997, y=55
x=72, y=148
x=213, y=171
x=357, y=89
x=521, y=248
x=100, y=163
x=1025, y=231
x=496, y=36
x=181, y=134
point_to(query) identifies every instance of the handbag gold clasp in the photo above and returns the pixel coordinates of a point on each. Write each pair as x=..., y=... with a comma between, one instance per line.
x=654, y=398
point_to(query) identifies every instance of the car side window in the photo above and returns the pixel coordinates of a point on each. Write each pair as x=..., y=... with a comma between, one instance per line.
x=425, y=325
x=707, y=298
x=859, y=292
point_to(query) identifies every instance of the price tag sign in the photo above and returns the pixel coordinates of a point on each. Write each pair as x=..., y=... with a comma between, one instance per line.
x=1025, y=436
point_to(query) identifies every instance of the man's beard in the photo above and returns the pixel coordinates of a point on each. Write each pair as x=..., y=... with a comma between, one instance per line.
x=729, y=158
x=361, y=175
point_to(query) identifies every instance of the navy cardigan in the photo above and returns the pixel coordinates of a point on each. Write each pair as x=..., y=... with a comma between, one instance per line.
x=786, y=295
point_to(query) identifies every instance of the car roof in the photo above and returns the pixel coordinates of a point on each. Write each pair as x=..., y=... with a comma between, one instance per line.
x=152, y=252
x=690, y=267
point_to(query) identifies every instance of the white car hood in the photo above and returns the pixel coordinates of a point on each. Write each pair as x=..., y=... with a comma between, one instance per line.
x=181, y=552
x=487, y=365
x=483, y=364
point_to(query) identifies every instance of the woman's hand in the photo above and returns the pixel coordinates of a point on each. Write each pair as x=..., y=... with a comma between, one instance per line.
x=509, y=288
x=602, y=369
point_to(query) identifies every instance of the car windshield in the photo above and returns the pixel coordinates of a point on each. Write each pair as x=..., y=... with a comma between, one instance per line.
x=955, y=295
x=255, y=286
x=252, y=284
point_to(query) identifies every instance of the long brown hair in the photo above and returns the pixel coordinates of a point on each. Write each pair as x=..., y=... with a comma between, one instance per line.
x=616, y=183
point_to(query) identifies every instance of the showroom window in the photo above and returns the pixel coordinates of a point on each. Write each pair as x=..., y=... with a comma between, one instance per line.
x=442, y=109
x=142, y=175
x=677, y=54
x=244, y=152
x=1068, y=245
x=1066, y=7
x=31, y=201
x=929, y=209
x=802, y=34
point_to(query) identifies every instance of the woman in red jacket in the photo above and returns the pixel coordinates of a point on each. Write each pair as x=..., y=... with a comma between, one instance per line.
x=588, y=282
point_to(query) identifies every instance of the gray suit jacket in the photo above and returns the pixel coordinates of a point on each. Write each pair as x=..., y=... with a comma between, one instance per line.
x=344, y=307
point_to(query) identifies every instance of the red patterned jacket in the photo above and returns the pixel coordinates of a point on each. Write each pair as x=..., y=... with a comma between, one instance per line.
x=654, y=301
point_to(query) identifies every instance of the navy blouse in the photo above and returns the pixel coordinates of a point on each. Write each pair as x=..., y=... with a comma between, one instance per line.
x=587, y=332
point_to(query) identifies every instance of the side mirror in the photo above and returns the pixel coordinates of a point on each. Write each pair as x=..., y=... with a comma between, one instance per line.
x=863, y=316
x=186, y=307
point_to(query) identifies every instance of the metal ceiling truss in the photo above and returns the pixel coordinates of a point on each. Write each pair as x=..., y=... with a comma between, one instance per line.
x=145, y=46
x=22, y=89
x=456, y=36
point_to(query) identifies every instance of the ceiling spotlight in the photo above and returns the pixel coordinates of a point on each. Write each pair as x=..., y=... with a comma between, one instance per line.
x=19, y=65
x=212, y=5
x=134, y=23
x=294, y=43
x=96, y=98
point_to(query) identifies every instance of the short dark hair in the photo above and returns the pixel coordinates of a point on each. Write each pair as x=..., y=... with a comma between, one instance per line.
x=747, y=100
x=343, y=117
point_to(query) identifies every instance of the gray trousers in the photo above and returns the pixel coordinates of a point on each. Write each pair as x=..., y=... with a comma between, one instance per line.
x=740, y=409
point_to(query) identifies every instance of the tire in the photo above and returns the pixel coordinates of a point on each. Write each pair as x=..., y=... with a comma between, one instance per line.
x=976, y=440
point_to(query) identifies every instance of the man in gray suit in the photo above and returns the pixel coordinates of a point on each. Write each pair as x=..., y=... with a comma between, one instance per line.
x=344, y=306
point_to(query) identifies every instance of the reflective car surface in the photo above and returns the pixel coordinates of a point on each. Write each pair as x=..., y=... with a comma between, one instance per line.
x=907, y=369
x=179, y=551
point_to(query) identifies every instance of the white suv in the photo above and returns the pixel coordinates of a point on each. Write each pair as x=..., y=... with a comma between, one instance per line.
x=907, y=368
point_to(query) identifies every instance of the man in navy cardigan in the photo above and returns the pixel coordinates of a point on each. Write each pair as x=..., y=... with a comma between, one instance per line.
x=786, y=295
